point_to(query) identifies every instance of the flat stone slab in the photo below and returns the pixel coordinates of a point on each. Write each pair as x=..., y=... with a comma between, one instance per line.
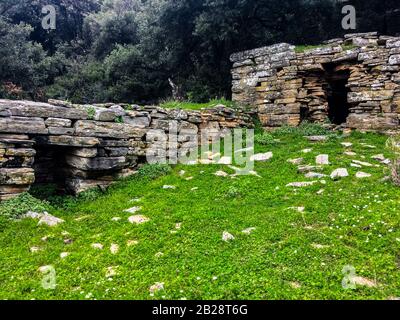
x=262, y=156
x=108, y=130
x=138, y=219
x=339, y=173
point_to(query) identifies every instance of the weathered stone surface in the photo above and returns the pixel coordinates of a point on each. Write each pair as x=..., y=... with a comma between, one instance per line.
x=84, y=152
x=339, y=173
x=58, y=122
x=61, y=131
x=77, y=186
x=23, y=125
x=43, y=110
x=17, y=176
x=69, y=141
x=96, y=164
x=107, y=130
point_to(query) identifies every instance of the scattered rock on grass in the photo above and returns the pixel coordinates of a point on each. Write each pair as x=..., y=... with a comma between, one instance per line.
x=114, y=248
x=139, y=219
x=226, y=236
x=362, y=175
x=111, y=272
x=97, y=246
x=363, y=282
x=133, y=210
x=322, y=159
x=296, y=161
x=362, y=163
x=339, y=173
x=248, y=231
x=63, y=255
x=262, y=156
x=347, y=144
x=317, y=138
x=131, y=243
x=166, y=187
x=158, y=286
x=314, y=175
x=221, y=174
x=301, y=184
x=44, y=218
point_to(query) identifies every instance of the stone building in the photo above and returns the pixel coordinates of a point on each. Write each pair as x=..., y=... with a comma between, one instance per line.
x=354, y=82
x=78, y=147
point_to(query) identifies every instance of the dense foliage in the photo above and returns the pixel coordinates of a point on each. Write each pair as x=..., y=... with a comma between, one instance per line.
x=128, y=50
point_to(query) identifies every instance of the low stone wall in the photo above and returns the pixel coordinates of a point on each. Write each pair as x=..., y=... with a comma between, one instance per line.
x=287, y=87
x=84, y=146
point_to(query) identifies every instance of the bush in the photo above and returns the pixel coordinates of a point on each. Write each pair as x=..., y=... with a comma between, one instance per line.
x=22, y=204
x=304, y=129
x=154, y=171
x=264, y=139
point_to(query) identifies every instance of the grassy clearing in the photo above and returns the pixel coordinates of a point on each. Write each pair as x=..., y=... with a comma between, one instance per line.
x=187, y=105
x=290, y=255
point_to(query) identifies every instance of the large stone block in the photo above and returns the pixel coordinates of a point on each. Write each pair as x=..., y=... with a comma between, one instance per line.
x=96, y=164
x=17, y=176
x=23, y=125
x=43, y=110
x=58, y=122
x=107, y=130
x=68, y=141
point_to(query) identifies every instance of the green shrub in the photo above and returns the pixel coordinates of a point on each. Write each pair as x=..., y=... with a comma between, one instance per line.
x=22, y=204
x=304, y=129
x=153, y=171
x=264, y=139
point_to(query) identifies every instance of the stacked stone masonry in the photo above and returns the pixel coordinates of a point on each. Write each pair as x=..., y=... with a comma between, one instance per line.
x=354, y=82
x=85, y=146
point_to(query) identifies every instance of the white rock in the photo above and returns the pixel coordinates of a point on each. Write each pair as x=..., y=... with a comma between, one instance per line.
x=364, y=164
x=262, y=156
x=97, y=246
x=133, y=210
x=355, y=165
x=63, y=255
x=35, y=249
x=226, y=236
x=350, y=153
x=138, y=219
x=131, y=243
x=167, y=187
x=315, y=175
x=221, y=174
x=301, y=184
x=339, y=173
x=111, y=272
x=307, y=150
x=114, y=248
x=296, y=161
x=182, y=173
x=248, y=231
x=347, y=144
x=298, y=209
x=320, y=191
x=158, y=286
x=50, y=220
x=322, y=159
x=362, y=175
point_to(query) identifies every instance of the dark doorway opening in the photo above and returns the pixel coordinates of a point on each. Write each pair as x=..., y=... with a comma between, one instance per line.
x=50, y=167
x=337, y=78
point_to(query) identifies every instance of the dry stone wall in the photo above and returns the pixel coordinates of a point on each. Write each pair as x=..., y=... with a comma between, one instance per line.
x=84, y=146
x=354, y=81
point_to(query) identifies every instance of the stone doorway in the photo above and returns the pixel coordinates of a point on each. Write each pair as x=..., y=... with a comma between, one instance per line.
x=337, y=78
x=50, y=167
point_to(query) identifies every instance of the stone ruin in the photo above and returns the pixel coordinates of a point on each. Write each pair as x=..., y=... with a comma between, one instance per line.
x=78, y=147
x=353, y=82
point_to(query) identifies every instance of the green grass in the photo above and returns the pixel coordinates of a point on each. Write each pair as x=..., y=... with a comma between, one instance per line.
x=357, y=222
x=187, y=105
x=303, y=48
